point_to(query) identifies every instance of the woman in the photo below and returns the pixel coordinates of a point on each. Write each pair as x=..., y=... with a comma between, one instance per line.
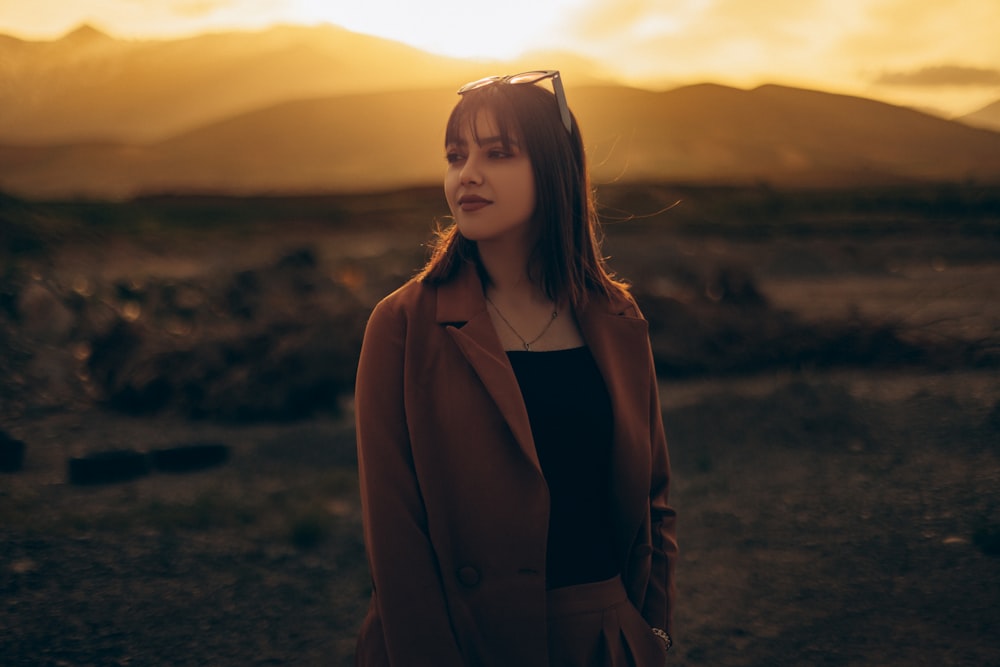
x=514, y=471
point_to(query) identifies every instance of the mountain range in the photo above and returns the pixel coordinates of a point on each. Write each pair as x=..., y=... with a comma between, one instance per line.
x=298, y=109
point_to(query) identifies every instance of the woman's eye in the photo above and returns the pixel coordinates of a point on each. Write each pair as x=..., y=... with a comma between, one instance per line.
x=497, y=154
x=453, y=157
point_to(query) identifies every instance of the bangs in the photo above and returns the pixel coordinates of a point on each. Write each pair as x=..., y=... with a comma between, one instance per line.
x=492, y=100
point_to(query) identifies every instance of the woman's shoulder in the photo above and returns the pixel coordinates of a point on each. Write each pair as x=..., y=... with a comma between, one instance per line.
x=618, y=299
x=404, y=300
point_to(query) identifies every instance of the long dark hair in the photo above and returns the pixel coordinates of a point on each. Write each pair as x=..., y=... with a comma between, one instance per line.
x=566, y=262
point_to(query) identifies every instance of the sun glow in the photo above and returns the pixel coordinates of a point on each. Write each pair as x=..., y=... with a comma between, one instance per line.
x=876, y=48
x=449, y=27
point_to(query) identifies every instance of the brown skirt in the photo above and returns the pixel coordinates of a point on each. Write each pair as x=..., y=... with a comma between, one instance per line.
x=595, y=625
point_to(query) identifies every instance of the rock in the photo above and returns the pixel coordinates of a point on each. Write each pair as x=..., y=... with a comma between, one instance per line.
x=987, y=538
x=11, y=453
x=189, y=457
x=108, y=467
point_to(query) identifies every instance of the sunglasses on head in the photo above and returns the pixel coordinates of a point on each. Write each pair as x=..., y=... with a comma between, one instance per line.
x=529, y=77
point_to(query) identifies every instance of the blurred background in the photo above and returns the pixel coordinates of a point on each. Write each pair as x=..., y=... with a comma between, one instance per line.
x=200, y=202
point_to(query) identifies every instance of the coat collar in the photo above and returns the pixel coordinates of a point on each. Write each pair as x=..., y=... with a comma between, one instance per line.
x=462, y=298
x=461, y=307
x=618, y=338
x=612, y=328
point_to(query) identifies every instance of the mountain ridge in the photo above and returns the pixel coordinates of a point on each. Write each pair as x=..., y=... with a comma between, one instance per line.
x=368, y=141
x=297, y=108
x=74, y=89
x=987, y=117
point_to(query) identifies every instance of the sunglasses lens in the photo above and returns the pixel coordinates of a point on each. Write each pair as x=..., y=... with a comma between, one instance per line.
x=530, y=77
x=479, y=83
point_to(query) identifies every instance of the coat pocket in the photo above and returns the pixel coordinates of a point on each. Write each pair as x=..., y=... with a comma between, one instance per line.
x=644, y=648
x=636, y=577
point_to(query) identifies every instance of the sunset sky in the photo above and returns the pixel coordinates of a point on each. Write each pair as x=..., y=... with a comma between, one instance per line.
x=925, y=53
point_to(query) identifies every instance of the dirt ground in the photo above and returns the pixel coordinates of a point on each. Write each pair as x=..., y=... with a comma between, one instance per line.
x=838, y=514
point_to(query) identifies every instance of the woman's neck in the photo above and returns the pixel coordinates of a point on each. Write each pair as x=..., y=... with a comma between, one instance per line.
x=508, y=272
x=524, y=317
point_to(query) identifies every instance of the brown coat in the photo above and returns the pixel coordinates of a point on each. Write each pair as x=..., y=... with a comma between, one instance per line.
x=454, y=501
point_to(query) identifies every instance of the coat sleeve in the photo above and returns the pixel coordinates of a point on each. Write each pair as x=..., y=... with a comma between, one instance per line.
x=408, y=595
x=659, y=599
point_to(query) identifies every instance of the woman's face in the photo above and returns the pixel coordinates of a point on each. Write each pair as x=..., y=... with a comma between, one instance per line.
x=490, y=187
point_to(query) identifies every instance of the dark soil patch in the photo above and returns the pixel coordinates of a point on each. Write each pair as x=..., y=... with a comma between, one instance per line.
x=836, y=469
x=810, y=512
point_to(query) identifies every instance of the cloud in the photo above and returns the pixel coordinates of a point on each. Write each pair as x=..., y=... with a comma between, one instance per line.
x=942, y=75
x=898, y=36
x=666, y=41
x=595, y=20
x=195, y=8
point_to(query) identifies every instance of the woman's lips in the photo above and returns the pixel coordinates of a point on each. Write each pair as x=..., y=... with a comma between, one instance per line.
x=470, y=203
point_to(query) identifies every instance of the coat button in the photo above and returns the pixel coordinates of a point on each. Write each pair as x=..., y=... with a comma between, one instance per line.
x=468, y=575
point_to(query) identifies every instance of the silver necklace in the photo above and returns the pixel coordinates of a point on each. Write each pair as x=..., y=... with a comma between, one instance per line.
x=527, y=343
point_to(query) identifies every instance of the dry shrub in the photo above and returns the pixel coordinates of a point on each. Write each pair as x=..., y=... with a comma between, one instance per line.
x=730, y=328
x=276, y=343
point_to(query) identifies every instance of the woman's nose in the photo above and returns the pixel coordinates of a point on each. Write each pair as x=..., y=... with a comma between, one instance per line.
x=471, y=174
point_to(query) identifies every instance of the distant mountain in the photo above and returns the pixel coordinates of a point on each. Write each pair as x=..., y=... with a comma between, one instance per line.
x=324, y=109
x=787, y=136
x=707, y=133
x=88, y=86
x=988, y=117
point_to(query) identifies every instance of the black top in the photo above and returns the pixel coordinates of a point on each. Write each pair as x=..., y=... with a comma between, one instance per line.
x=572, y=424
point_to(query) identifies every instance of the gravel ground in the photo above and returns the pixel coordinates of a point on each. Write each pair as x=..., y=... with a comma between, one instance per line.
x=837, y=519
x=828, y=516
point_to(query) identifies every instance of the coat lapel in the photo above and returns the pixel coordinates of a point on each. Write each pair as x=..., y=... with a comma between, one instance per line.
x=618, y=339
x=461, y=308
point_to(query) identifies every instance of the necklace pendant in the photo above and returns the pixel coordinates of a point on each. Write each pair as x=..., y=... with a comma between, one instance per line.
x=527, y=347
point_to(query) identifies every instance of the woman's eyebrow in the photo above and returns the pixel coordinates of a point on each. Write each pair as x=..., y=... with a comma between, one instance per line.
x=482, y=141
